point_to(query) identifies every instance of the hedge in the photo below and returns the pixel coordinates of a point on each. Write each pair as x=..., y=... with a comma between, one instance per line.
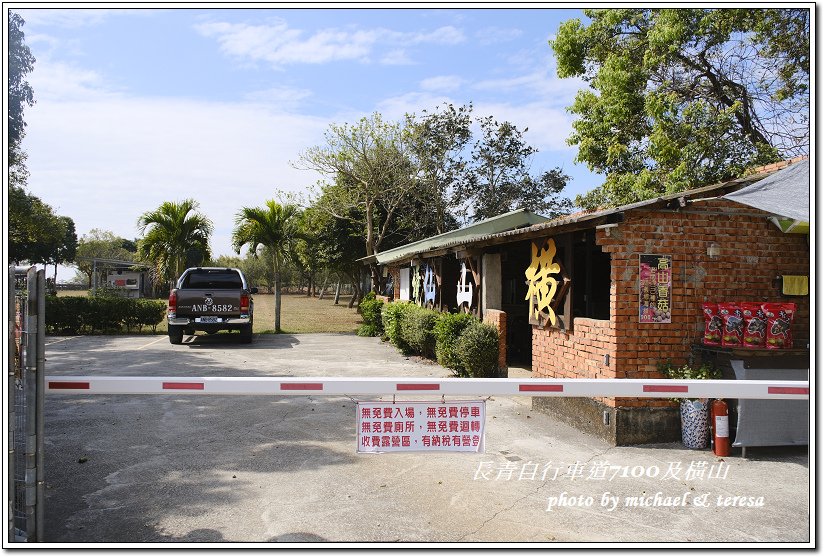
x=392, y=316
x=477, y=350
x=417, y=330
x=460, y=342
x=370, y=310
x=85, y=315
x=447, y=330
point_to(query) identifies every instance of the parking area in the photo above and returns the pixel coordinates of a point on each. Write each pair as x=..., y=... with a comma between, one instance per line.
x=192, y=468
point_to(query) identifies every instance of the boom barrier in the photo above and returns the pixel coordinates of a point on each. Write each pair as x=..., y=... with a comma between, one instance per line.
x=382, y=386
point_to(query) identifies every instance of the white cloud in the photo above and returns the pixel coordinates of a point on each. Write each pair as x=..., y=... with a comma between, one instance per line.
x=103, y=163
x=394, y=108
x=495, y=35
x=396, y=57
x=280, y=98
x=442, y=83
x=63, y=81
x=538, y=83
x=278, y=44
x=75, y=17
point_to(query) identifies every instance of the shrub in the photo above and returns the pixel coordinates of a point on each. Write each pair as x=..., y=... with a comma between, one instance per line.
x=79, y=314
x=447, y=330
x=370, y=310
x=477, y=350
x=393, y=315
x=417, y=330
x=150, y=313
x=65, y=315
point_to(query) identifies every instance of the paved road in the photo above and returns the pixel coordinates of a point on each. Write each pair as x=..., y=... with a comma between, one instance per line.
x=172, y=468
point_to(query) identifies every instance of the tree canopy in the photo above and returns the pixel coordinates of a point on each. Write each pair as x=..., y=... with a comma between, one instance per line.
x=175, y=236
x=36, y=233
x=680, y=97
x=403, y=181
x=21, y=62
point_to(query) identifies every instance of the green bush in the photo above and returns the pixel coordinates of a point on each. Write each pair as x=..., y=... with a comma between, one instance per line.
x=150, y=313
x=370, y=310
x=79, y=314
x=65, y=315
x=477, y=350
x=417, y=330
x=393, y=315
x=447, y=330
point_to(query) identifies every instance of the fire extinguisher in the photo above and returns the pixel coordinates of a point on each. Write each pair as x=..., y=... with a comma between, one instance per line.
x=721, y=428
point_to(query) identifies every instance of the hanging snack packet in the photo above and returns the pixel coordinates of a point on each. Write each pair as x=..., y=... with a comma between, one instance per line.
x=712, y=324
x=755, y=325
x=733, y=319
x=779, y=325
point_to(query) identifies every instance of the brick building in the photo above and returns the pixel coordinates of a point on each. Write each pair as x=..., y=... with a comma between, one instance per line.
x=713, y=250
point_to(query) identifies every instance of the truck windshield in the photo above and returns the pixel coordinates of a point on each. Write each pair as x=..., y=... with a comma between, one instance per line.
x=216, y=279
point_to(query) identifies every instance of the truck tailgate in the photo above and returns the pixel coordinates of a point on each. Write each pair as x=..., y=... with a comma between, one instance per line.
x=201, y=303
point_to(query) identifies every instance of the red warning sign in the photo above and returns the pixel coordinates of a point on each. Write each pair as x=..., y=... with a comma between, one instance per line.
x=421, y=426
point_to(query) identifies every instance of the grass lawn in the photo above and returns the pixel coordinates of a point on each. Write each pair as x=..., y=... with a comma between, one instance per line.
x=298, y=314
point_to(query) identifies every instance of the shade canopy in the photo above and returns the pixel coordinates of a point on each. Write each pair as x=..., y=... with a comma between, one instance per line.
x=784, y=194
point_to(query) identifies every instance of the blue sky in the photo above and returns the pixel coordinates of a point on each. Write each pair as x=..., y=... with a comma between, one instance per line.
x=138, y=106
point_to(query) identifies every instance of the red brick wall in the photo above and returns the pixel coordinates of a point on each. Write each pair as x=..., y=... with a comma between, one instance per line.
x=497, y=319
x=753, y=253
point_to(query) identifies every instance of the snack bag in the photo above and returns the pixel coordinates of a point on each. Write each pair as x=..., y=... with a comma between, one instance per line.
x=779, y=325
x=755, y=325
x=712, y=324
x=733, y=319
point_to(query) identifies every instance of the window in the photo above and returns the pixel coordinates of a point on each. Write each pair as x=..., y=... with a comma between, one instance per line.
x=217, y=279
x=590, y=277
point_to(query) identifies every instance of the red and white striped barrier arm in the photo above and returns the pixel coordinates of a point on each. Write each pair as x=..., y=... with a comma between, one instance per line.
x=381, y=386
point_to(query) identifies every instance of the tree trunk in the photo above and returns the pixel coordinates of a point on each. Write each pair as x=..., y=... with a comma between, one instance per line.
x=337, y=293
x=376, y=277
x=277, y=302
x=276, y=265
x=356, y=294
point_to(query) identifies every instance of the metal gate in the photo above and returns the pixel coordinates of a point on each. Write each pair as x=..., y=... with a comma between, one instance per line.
x=25, y=397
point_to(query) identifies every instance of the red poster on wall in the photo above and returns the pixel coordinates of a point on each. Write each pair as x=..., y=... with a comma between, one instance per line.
x=655, y=288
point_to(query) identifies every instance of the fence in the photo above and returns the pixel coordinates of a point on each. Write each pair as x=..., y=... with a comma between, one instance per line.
x=26, y=394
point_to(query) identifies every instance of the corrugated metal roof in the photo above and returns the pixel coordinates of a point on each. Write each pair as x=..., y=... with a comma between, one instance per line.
x=508, y=221
x=583, y=219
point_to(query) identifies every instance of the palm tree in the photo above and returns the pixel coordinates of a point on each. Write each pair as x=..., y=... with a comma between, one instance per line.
x=273, y=226
x=174, y=235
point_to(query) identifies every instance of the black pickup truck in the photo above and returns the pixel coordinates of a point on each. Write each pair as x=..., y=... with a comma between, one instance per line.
x=210, y=299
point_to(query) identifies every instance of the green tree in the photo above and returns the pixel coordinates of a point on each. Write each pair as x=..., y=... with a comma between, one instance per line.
x=21, y=62
x=681, y=97
x=36, y=233
x=273, y=226
x=67, y=249
x=370, y=165
x=498, y=178
x=438, y=140
x=175, y=236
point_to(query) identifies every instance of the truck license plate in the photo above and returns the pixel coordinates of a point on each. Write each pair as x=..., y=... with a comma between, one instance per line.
x=210, y=319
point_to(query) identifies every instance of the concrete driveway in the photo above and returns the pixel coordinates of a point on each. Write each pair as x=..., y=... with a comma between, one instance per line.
x=172, y=468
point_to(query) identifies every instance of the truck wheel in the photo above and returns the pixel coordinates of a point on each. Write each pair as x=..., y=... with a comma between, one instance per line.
x=175, y=334
x=246, y=334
